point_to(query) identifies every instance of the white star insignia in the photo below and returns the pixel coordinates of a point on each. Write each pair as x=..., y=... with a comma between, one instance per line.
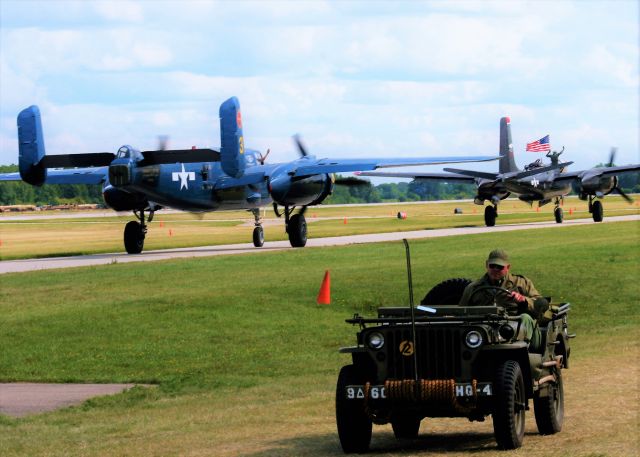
x=183, y=176
x=535, y=182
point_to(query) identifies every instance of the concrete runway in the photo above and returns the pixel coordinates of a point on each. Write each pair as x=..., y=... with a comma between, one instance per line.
x=23, y=398
x=16, y=266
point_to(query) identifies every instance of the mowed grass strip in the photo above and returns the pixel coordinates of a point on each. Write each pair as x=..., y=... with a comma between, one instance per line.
x=245, y=361
x=77, y=236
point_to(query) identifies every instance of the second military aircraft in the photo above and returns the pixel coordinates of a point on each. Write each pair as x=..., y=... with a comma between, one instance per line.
x=537, y=182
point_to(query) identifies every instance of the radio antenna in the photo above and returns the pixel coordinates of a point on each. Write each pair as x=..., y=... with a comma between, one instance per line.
x=413, y=312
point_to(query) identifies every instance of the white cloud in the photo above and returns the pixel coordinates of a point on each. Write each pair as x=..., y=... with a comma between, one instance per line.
x=353, y=78
x=120, y=10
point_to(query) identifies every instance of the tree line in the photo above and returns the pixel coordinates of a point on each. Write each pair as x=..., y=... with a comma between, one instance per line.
x=20, y=193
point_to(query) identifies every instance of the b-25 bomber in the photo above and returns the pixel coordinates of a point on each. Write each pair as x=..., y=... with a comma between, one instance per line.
x=199, y=180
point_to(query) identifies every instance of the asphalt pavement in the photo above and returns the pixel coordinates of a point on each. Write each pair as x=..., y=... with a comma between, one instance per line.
x=15, y=266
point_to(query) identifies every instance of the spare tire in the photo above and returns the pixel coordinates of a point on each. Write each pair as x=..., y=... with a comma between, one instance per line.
x=448, y=292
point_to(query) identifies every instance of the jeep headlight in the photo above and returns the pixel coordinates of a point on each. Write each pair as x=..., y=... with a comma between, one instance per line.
x=473, y=339
x=375, y=340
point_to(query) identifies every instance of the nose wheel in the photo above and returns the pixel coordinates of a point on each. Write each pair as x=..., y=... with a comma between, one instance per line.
x=558, y=213
x=258, y=231
x=135, y=232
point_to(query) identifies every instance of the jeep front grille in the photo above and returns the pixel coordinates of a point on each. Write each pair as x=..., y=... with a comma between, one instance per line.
x=439, y=353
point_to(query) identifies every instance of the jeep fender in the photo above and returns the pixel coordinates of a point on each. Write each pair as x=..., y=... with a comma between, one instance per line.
x=495, y=354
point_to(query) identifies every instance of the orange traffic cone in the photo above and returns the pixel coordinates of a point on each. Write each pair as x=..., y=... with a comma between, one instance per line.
x=345, y=220
x=324, y=296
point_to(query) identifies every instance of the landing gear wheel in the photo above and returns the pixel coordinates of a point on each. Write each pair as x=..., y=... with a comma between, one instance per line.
x=354, y=425
x=133, y=237
x=549, y=410
x=559, y=215
x=509, y=406
x=405, y=427
x=448, y=292
x=297, y=230
x=490, y=214
x=258, y=236
x=597, y=211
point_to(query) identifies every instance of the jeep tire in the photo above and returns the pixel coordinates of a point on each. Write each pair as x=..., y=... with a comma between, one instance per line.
x=354, y=425
x=549, y=410
x=448, y=292
x=509, y=405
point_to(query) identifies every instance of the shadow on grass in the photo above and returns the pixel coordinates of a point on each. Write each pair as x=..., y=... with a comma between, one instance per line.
x=383, y=444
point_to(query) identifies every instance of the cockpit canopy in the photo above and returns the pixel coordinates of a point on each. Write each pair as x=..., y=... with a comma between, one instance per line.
x=128, y=152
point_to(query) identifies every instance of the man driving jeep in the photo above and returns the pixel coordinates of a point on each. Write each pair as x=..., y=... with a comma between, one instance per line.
x=520, y=297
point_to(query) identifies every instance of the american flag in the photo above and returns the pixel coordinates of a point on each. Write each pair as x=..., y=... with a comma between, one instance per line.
x=541, y=145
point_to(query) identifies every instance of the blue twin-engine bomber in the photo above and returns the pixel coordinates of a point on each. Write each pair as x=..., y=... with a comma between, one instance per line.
x=199, y=180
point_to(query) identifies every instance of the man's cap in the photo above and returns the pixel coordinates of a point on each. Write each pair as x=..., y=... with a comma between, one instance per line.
x=499, y=257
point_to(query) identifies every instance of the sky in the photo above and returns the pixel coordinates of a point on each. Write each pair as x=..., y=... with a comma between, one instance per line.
x=354, y=79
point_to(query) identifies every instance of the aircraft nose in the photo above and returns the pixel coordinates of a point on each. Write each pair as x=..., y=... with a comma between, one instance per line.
x=120, y=174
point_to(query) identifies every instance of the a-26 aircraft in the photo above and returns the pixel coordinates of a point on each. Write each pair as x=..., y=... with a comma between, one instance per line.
x=537, y=182
x=198, y=180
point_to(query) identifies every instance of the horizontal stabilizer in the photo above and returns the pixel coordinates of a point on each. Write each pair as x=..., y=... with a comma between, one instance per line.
x=98, y=159
x=472, y=173
x=179, y=156
x=93, y=175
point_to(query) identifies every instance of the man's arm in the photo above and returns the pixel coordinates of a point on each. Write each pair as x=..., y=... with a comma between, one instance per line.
x=527, y=293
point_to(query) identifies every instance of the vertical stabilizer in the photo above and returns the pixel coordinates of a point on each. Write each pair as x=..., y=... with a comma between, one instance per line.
x=507, y=161
x=31, y=147
x=231, y=139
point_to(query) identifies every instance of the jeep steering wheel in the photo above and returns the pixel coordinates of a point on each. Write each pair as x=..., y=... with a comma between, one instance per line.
x=499, y=291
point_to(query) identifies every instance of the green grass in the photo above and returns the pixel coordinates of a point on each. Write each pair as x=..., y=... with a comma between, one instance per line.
x=76, y=236
x=189, y=321
x=219, y=331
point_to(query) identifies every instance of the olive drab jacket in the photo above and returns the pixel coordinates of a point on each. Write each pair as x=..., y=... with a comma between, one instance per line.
x=510, y=282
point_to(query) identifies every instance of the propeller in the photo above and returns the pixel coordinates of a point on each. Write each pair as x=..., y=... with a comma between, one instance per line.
x=163, y=142
x=612, y=156
x=617, y=188
x=349, y=181
x=302, y=150
x=625, y=196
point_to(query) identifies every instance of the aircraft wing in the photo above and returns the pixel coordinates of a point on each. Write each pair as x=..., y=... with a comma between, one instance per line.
x=349, y=165
x=597, y=172
x=92, y=175
x=473, y=173
x=448, y=177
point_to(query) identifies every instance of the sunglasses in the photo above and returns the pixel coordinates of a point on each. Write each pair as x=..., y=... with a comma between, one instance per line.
x=494, y=266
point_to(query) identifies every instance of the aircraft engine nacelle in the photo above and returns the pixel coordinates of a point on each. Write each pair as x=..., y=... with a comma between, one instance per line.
x=594, y=185
x=121, y=200
x=311, y=190
x=493, y=197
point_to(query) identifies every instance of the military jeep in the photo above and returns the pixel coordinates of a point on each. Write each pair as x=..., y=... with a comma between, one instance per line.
x=444, y=360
